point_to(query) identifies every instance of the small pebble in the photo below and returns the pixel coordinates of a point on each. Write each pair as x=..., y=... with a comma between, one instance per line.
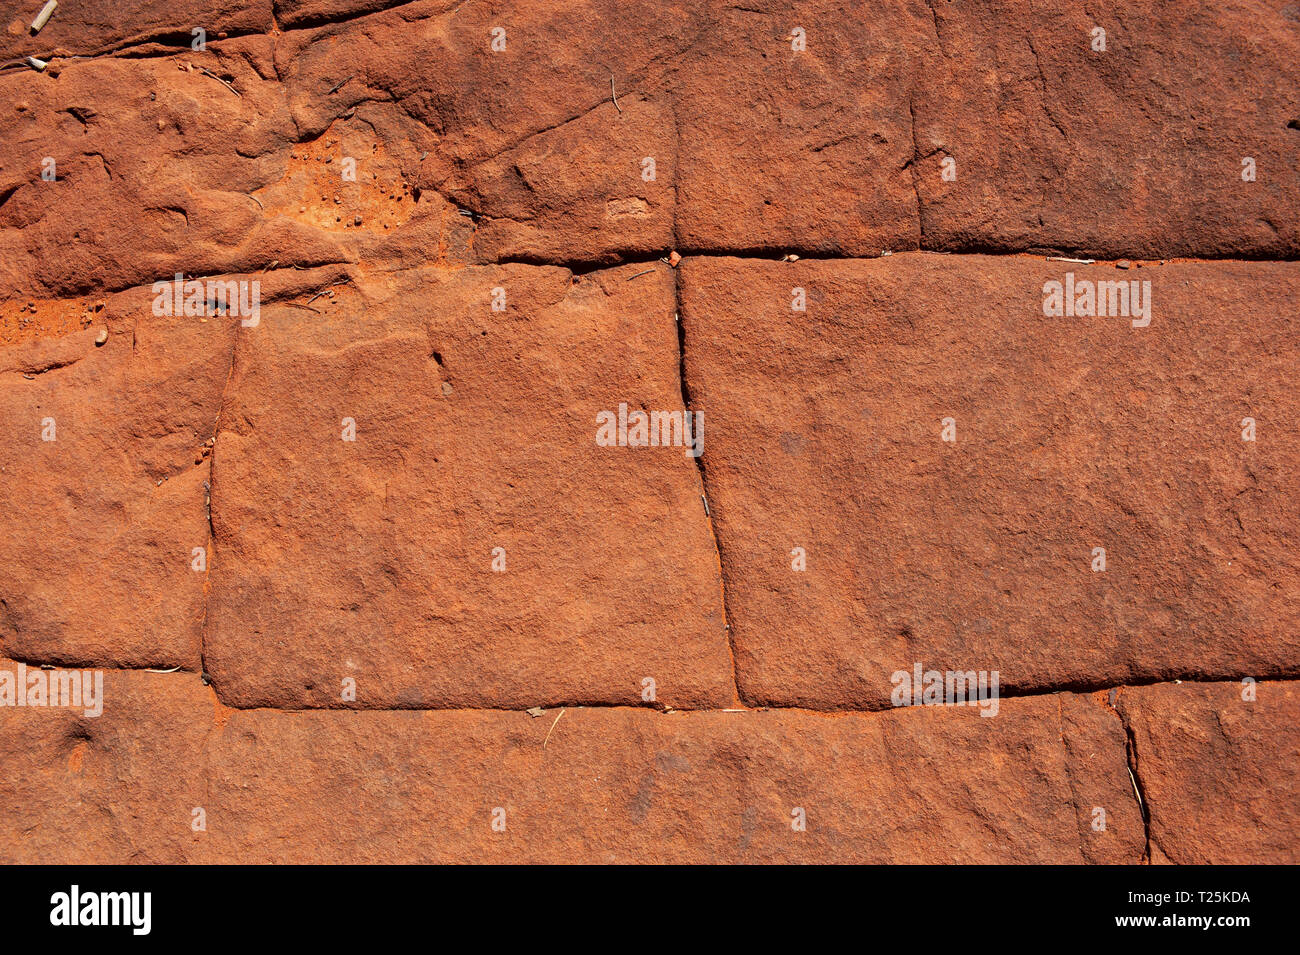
x=102, y=336
x=1123, y=264
x=357, y=221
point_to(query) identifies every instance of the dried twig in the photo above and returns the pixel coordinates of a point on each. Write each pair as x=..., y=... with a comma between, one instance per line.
x=614, y=95
x=339, y=85
x=551, y=730
x=308, y=307
x=43, y=17
x=1136, y=791
x=206, y=72
x=639, y=274
x=255, y=199
x=325, y=291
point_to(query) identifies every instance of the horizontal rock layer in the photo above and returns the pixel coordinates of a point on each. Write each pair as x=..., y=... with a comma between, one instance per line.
x=391, y=482
x=600, y=129
x=594, y=785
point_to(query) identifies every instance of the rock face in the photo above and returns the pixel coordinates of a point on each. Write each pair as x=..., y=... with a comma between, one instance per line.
x=946, y=460
x=1215, y=769
x=105, y=453
x=355, y=358
x=600, y=785
x=409, y=493
x=578, y=140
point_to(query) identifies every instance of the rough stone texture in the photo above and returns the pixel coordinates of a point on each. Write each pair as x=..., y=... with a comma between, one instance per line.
x=1218, y=771
x=80, y=28
x=99, y=523
x=610, y=785
x=529, y=169
x=475, y=430
x=837, y=149
x=1071, y=433
x=806, y=151
x=119, y=787
x=529, y=137
x=150, y=162
x=1135, y=151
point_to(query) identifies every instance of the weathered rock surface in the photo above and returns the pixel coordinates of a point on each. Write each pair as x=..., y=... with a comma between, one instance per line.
x=180, y=492
x=826, y=433
x=103, y=462
x=118, y=787
x=373, y=559
x=1217, y=770
x=1136, y=150
x=839, y=148
x=599, y=785
x=89, y=29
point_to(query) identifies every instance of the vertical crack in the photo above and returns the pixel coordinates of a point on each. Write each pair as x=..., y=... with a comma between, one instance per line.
x=688, y=405
x=207, y=503
x=1134, y=773
x=915, y=163
x=1136, y=776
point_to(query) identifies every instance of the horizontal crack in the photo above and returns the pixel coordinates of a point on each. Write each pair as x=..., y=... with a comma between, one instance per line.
x=155, y=44
x=658, y=707
x=778, y=253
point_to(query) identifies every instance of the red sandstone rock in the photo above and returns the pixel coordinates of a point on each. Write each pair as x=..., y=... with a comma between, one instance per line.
x=117, y=787
x=292, y=14
x=599, y=785
x=153, y=164
x=1217, y=770
x=88, y=29
x=355, y=156
x=475, y=430
x=826, y=433
x=838, y=148
x=808, y=150
x=98, y=524
x=1137, y=150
